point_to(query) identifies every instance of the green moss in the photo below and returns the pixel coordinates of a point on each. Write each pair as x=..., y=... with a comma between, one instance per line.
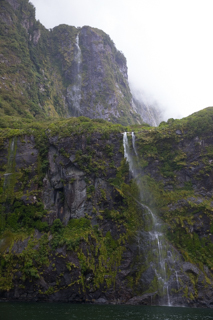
x=178, y=205
x=102, y=256
x=25, y=217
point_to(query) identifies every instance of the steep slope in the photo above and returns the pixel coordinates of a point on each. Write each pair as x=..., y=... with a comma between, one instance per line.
x=176, y=180
x=24, y=89
x=62, y=72
x=65, y=224
x=71, y=222
x=71, y=216
x=150, y=113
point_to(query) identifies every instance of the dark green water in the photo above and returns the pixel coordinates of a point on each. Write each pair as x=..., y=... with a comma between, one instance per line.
x=65, y=311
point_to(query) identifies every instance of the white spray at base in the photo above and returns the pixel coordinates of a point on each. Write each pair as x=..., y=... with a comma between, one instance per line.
x=158, y=255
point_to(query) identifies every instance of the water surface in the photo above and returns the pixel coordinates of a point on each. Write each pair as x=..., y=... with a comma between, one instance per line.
x=67, y=311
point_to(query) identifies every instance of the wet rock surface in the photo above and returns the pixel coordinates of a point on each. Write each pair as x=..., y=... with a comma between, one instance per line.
x=80, y=71
x=66, y=196
x=70, y=191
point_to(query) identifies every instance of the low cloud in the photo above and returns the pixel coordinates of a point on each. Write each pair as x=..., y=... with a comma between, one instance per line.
x=167, y=45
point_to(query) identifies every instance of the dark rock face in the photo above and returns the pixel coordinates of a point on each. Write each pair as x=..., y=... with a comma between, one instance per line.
x=150, y=113
x=96, y=263
x=14, y=3
x=79, y=248
x=177, y=184
x=70, y=218
x=65, y=176
x=66, y=71
x=99, y=56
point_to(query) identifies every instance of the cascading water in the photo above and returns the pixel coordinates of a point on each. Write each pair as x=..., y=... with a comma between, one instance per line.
x=133, y=143
x=74, y=91
x=158, y=254
x=177, y=280
x=10, y=161
x=78, y=55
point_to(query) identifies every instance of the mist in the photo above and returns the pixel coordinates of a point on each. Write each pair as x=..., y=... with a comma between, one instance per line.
x=167, y=45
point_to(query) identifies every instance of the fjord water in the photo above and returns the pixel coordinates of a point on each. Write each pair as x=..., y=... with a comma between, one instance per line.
x=66, y=311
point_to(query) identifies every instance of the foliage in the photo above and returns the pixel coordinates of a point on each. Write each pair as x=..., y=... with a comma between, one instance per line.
x=57, y=226
x=169, y=154
x=26, y=217
x=38, y=67
x=32, y=107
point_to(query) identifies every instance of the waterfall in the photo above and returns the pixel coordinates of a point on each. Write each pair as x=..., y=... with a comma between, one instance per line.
x=78, y=54
x=177, y=280
x=151, y=240
x=133, y=143
x=10, y=164
x=74, y=90
x=127, y=154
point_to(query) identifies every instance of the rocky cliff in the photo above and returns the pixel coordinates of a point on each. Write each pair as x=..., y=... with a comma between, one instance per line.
x=73, y=211
x=176, y=179
x=65, y=222
x=151, y=113
x=62, y=72
x=72, y=220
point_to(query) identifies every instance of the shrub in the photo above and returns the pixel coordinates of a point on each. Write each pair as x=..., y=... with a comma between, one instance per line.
x=57, y=226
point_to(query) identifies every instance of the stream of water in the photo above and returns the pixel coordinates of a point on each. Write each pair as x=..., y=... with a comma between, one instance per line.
x=9, y=170
x=158, y=255
x=75, y=90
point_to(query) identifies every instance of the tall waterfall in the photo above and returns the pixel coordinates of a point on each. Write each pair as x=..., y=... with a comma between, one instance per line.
x=74, y=90
x=160, y=258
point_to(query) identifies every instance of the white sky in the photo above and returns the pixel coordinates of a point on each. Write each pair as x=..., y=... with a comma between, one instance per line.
x=168, y=44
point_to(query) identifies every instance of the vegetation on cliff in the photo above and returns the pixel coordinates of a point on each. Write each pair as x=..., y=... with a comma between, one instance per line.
x=176, y=179
x=175, y=164
x=32, y=234
x=69, y=210
x=39, y=70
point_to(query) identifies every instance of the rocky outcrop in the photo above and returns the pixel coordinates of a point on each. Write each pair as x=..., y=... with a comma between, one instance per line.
x=73, y=229
x=71, y=217
x=66, y=71
x=151, y=113
x=14, y=3
x=176, y=183
x=65, y=228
